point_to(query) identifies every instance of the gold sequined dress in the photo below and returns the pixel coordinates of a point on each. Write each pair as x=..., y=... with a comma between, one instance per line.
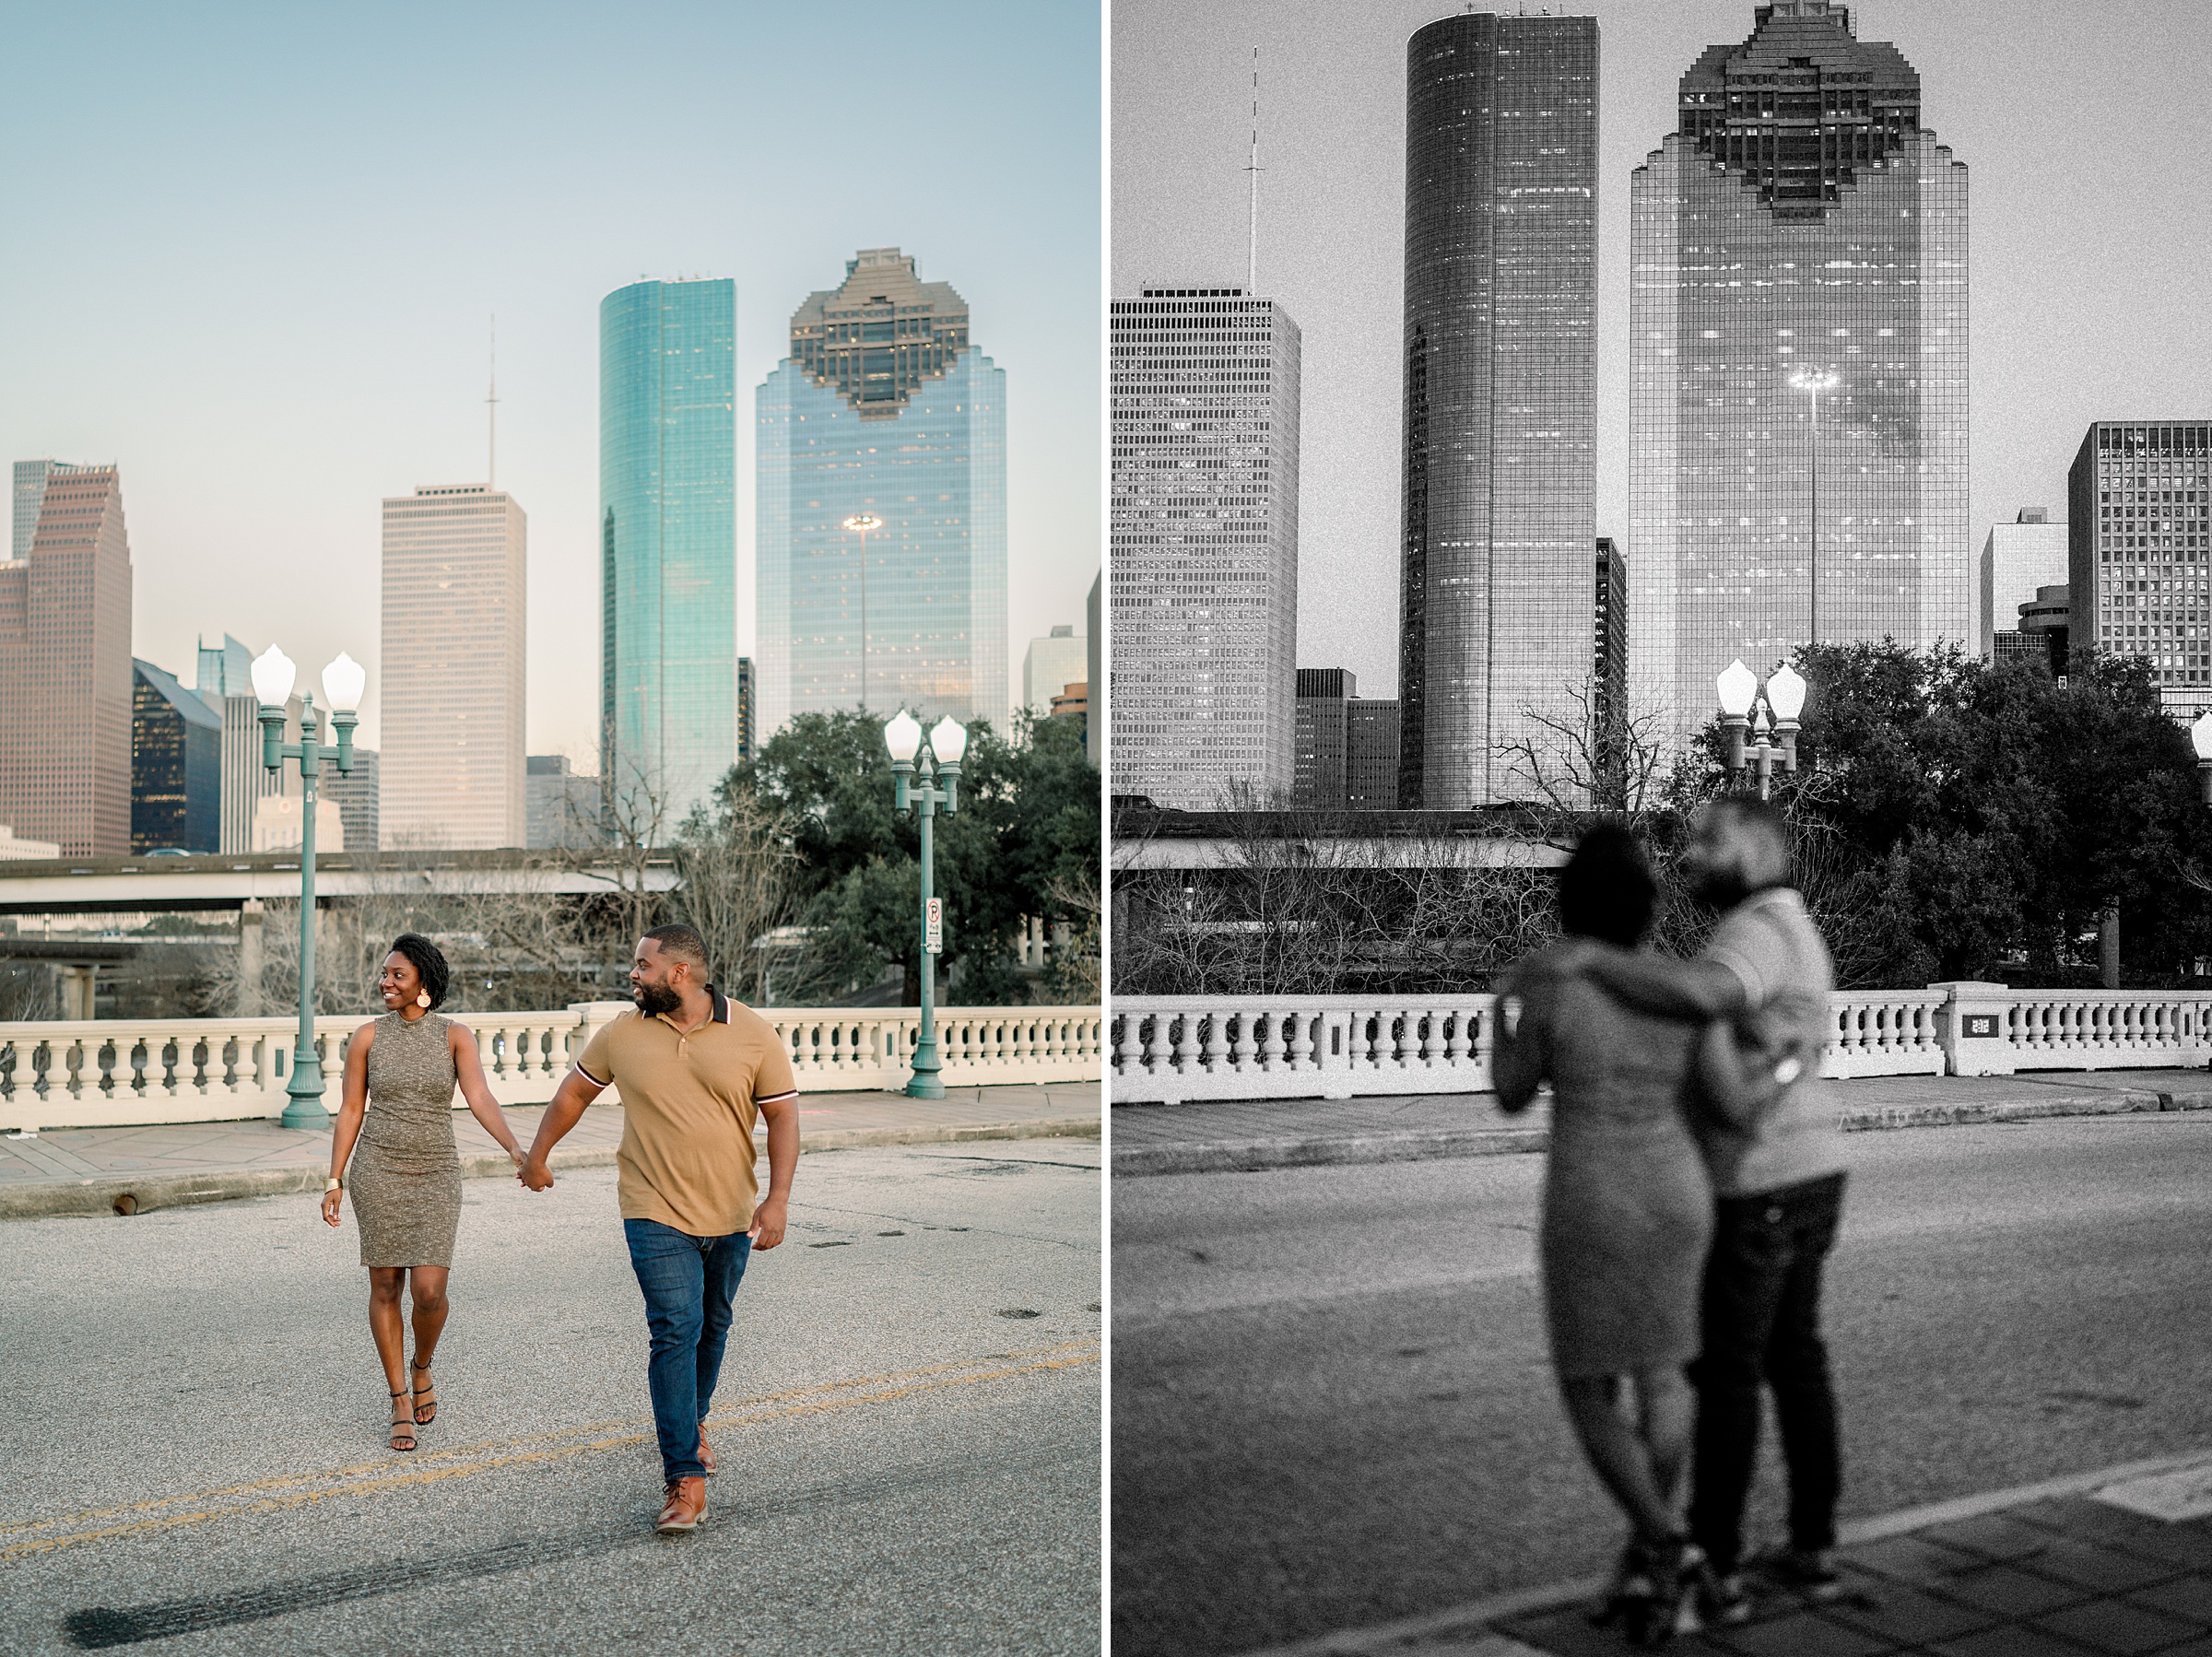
x=405, y=1175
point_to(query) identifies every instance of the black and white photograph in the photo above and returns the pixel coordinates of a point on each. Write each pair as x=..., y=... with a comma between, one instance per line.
x=1660, y=829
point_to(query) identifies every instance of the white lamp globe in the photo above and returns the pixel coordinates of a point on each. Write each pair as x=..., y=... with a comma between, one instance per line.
x=273, y=676
x=1736, y=688
x=343, y=682
x=2200, y=736
x=1786, y=692
x=949, y=740
x=902, y=736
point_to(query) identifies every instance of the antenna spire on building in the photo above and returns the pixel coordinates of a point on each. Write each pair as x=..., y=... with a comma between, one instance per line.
x=1252, y=249
x=491, y=405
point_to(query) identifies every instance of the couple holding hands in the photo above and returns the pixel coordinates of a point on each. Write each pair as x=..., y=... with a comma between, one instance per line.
x=696, y=1071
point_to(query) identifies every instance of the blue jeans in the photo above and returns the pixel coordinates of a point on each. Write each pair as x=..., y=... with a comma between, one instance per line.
x=688, y=1284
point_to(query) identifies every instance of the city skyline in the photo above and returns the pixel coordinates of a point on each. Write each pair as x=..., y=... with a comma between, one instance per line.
x=337, y=216
x=2048, y=357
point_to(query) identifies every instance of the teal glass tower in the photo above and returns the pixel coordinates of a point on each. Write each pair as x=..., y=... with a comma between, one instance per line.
x=881, y=505
x=667, y=546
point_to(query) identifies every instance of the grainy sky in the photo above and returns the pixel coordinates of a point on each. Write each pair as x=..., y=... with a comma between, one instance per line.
x=251, y=250
x=2083, y=122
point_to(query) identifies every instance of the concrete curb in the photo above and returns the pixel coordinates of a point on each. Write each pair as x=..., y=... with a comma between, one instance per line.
x=98, y=1194
x=1468, y=1624
x=1324, y=1150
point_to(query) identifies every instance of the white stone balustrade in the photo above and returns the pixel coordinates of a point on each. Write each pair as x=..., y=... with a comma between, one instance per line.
x=122, y=1072
x=1169, y=1048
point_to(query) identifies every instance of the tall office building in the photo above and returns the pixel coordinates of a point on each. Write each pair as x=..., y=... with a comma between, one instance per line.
x=1372, y=733
x=1802, y=228
x=1094, y=639
x=2018, y=561
x=225, y=683
x=882, y=506
x=450, y=755
x=358, y=795
x=1501, y=405
x=2139, y=548
x=176, y=765
x=1053, y=663
x=667, y=544
x=1204, y=533
x=65, y=668
x=1318, y=741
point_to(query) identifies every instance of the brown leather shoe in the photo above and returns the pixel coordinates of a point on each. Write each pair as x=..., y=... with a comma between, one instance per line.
x=686, y=1506
x=706, y=1455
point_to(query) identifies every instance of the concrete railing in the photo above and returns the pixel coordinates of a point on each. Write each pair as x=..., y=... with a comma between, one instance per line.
x=124, y=1072
x=1169, y=1048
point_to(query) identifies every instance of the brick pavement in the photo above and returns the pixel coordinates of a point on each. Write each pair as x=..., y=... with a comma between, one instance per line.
x=2056, y=1576
x=82, y=1169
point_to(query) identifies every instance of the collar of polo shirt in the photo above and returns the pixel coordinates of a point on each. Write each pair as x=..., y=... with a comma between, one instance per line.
x=718, y=1012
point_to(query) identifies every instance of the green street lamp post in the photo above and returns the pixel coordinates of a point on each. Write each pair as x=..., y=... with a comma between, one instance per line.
x=343, y=682
x=917, y=792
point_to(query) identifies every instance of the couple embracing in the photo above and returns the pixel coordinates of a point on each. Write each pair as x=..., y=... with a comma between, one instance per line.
x=1691, y=1198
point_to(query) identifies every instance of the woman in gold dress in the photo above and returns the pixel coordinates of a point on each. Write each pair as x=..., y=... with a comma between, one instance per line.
x=401, y=1071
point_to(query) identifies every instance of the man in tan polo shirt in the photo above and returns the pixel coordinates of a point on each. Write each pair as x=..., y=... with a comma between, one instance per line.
x=695, y=1069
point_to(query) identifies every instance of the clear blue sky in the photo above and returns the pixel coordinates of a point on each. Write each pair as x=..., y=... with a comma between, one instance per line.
x=250, y=253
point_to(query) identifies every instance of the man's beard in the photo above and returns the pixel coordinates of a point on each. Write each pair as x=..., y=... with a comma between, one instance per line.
x=654, y=1000
x=1722, y=886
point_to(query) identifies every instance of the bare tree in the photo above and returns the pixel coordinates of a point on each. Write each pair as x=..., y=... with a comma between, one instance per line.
x=1595, y=753
x=740, y=883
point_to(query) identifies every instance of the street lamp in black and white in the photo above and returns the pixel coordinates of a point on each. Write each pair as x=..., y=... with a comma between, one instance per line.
x=1766, y=714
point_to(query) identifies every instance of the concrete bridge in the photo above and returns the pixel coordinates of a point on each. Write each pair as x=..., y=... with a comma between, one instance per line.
x=229, y=881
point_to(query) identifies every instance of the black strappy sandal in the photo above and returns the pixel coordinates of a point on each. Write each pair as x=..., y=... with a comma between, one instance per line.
x=421, y=1419
x=402, y=1425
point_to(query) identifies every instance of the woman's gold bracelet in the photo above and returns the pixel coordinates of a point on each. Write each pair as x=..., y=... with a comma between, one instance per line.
x=333, y=1185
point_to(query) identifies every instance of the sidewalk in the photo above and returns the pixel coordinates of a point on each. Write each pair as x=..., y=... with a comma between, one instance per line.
x=89, y=1171
x=2109, y=1562
x=1245, y=1135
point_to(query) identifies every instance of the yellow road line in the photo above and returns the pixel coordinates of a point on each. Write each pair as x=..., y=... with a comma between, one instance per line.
x=825, y=1398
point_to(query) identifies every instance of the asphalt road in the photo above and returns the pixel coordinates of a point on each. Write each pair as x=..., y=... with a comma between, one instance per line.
x=1332, y=1403
x=192, y=1460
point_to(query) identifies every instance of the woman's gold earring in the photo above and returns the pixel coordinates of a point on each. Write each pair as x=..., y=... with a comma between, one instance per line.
x=422, y=998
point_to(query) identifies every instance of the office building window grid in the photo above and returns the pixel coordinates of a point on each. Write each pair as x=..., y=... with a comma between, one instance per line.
x=66, y=675
x=452, y=761
x=668, y=542
x=1204, y=525
x=1797, y=221
x=2139, y=547
x=1501, y=397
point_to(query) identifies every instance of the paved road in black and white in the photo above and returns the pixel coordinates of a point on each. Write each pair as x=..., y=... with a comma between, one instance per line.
x=1332, y=1404
x=191, y=1450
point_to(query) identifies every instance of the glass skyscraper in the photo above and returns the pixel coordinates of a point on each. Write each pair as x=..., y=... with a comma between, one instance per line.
x=1500, y=402
x=668, y=544
x=881, y=526
x=1802, y=224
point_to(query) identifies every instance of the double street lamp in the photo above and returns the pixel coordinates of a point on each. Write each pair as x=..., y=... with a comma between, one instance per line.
x=1778, y=703
x=343, y=682
x=917, y=790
